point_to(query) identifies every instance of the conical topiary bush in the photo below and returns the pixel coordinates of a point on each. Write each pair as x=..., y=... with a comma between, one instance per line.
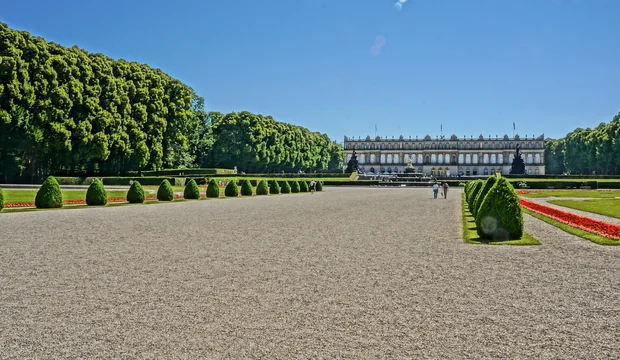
x=303, y=186
x=500, y=216
x=191, y=190
x=96, y=194
x=246, y=188
x=274, y=188
x=295, y=187
x=165, y=192
x=261, y=188
x=213, y=189
x=1, y=199
x=482, y=193
x=473, y=192
x=318, y=186
x=135, y=194
x=285, y=188
x=232, y=190
x=49, y=195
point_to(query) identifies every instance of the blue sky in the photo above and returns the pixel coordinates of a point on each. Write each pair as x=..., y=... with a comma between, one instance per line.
x=343, y=66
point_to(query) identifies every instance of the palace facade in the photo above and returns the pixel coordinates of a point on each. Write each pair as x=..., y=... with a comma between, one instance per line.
x=445, y=156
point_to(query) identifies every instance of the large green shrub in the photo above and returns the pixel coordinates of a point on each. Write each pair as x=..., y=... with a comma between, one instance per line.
x=135, y=194
x=318, y=186
x=49, y=195
x=285, y=188
x=500, y=216
x=165, y=192
x=1, y=199
x=274, y=188
x=246, y=188
x=482, y=193
x=96, y=194
x=232, y=190
x=295, y=187
x=213, y=189
x=303, y=186
x=261, y=188
x=191, y=190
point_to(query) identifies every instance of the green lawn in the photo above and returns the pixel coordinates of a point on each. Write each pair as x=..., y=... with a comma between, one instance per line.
x=573, y=193
x=471, y=235
x=608, y=207
x=595, y=238
x=15, y=196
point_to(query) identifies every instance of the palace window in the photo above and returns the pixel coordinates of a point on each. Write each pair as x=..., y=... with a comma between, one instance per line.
x=382, y=159
x=486, y=171
x=485, y=158
x=537, y=171
x=396, y=158
x=433, y=171
x=420, y=161
x=434, y=158
x=440, y=159
x=537, y=159
x=362, y=158
x=389, y=158
x=500, y=158
x=372, y=158
x=475, y=158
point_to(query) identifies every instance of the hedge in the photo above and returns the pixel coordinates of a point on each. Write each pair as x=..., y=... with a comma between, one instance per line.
x=184, y=172
x=560, y=184
x=96, y=194
x=49, y=195
x=145, y=180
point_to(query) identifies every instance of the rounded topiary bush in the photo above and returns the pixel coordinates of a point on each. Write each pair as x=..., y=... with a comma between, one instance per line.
x=318, y=186
x=482, y=193
x=49, y=195
x=274, y=188
x=500, y=216
x=473, y=192
x=285, y=188
x=303, y=186
x=295, y=187
x=135, y=194
x=96, y=194
x=165, y=192
x=213, y=189
x=261, y=188
x=232, y=190
x=246, y=188
x=191, y=190
x=1, y=199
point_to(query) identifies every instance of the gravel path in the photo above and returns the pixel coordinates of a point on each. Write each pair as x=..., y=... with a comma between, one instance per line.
x=348, y=273
x=544, y=201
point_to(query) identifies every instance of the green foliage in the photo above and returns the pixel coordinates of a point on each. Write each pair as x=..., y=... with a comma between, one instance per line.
x=500, y=216
x=232, y=190
x=67, y=110
x=303, y=186
x=285, y=188
x=295, y=187
x=318, y=186
x=482, y=193
x=135, y=194
x=274, y=187
x=246, y=188
x=49, y=195
x=213, y=189
x=1, y=199
x=473, y=192
x=191, y=190
x=96, y=194
x=261, y=188
x=165, y=192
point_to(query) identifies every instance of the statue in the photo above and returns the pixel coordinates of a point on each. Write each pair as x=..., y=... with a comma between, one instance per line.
x=353, y=164
x=409, y=169
x=518, y=166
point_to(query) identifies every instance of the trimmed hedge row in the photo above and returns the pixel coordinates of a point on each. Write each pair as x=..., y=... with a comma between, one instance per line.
x=563, y=184
x=184, y=172
x=496, y=208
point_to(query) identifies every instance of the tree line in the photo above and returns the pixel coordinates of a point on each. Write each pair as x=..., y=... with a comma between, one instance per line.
x=65, y=111
x=586, y=151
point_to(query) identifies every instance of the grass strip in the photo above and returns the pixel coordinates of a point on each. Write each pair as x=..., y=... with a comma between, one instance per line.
x=607, y=207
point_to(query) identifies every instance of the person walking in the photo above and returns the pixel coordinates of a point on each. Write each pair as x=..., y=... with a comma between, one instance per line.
x=445, y=190
x=435, y=190
x=312, y=186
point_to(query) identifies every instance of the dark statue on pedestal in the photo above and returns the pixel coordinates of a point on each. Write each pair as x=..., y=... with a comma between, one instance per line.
x=518, y=166
x=353, y=164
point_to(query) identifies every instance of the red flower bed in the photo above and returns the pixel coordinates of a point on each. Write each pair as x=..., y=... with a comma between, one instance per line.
x=79, y=202
x=581, y=222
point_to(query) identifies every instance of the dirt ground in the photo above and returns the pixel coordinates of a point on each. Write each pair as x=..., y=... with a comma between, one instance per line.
x=347, y=273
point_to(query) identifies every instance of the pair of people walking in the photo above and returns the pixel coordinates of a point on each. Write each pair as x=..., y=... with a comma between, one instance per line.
x=444, y=193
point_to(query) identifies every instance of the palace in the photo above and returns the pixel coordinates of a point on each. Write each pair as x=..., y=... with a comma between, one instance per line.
x=444, y=156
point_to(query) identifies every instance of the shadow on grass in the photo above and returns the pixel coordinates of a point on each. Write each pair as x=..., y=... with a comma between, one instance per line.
x=470, y=235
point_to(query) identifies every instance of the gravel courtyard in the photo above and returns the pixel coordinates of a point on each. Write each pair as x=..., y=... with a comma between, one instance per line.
x=347, y=273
